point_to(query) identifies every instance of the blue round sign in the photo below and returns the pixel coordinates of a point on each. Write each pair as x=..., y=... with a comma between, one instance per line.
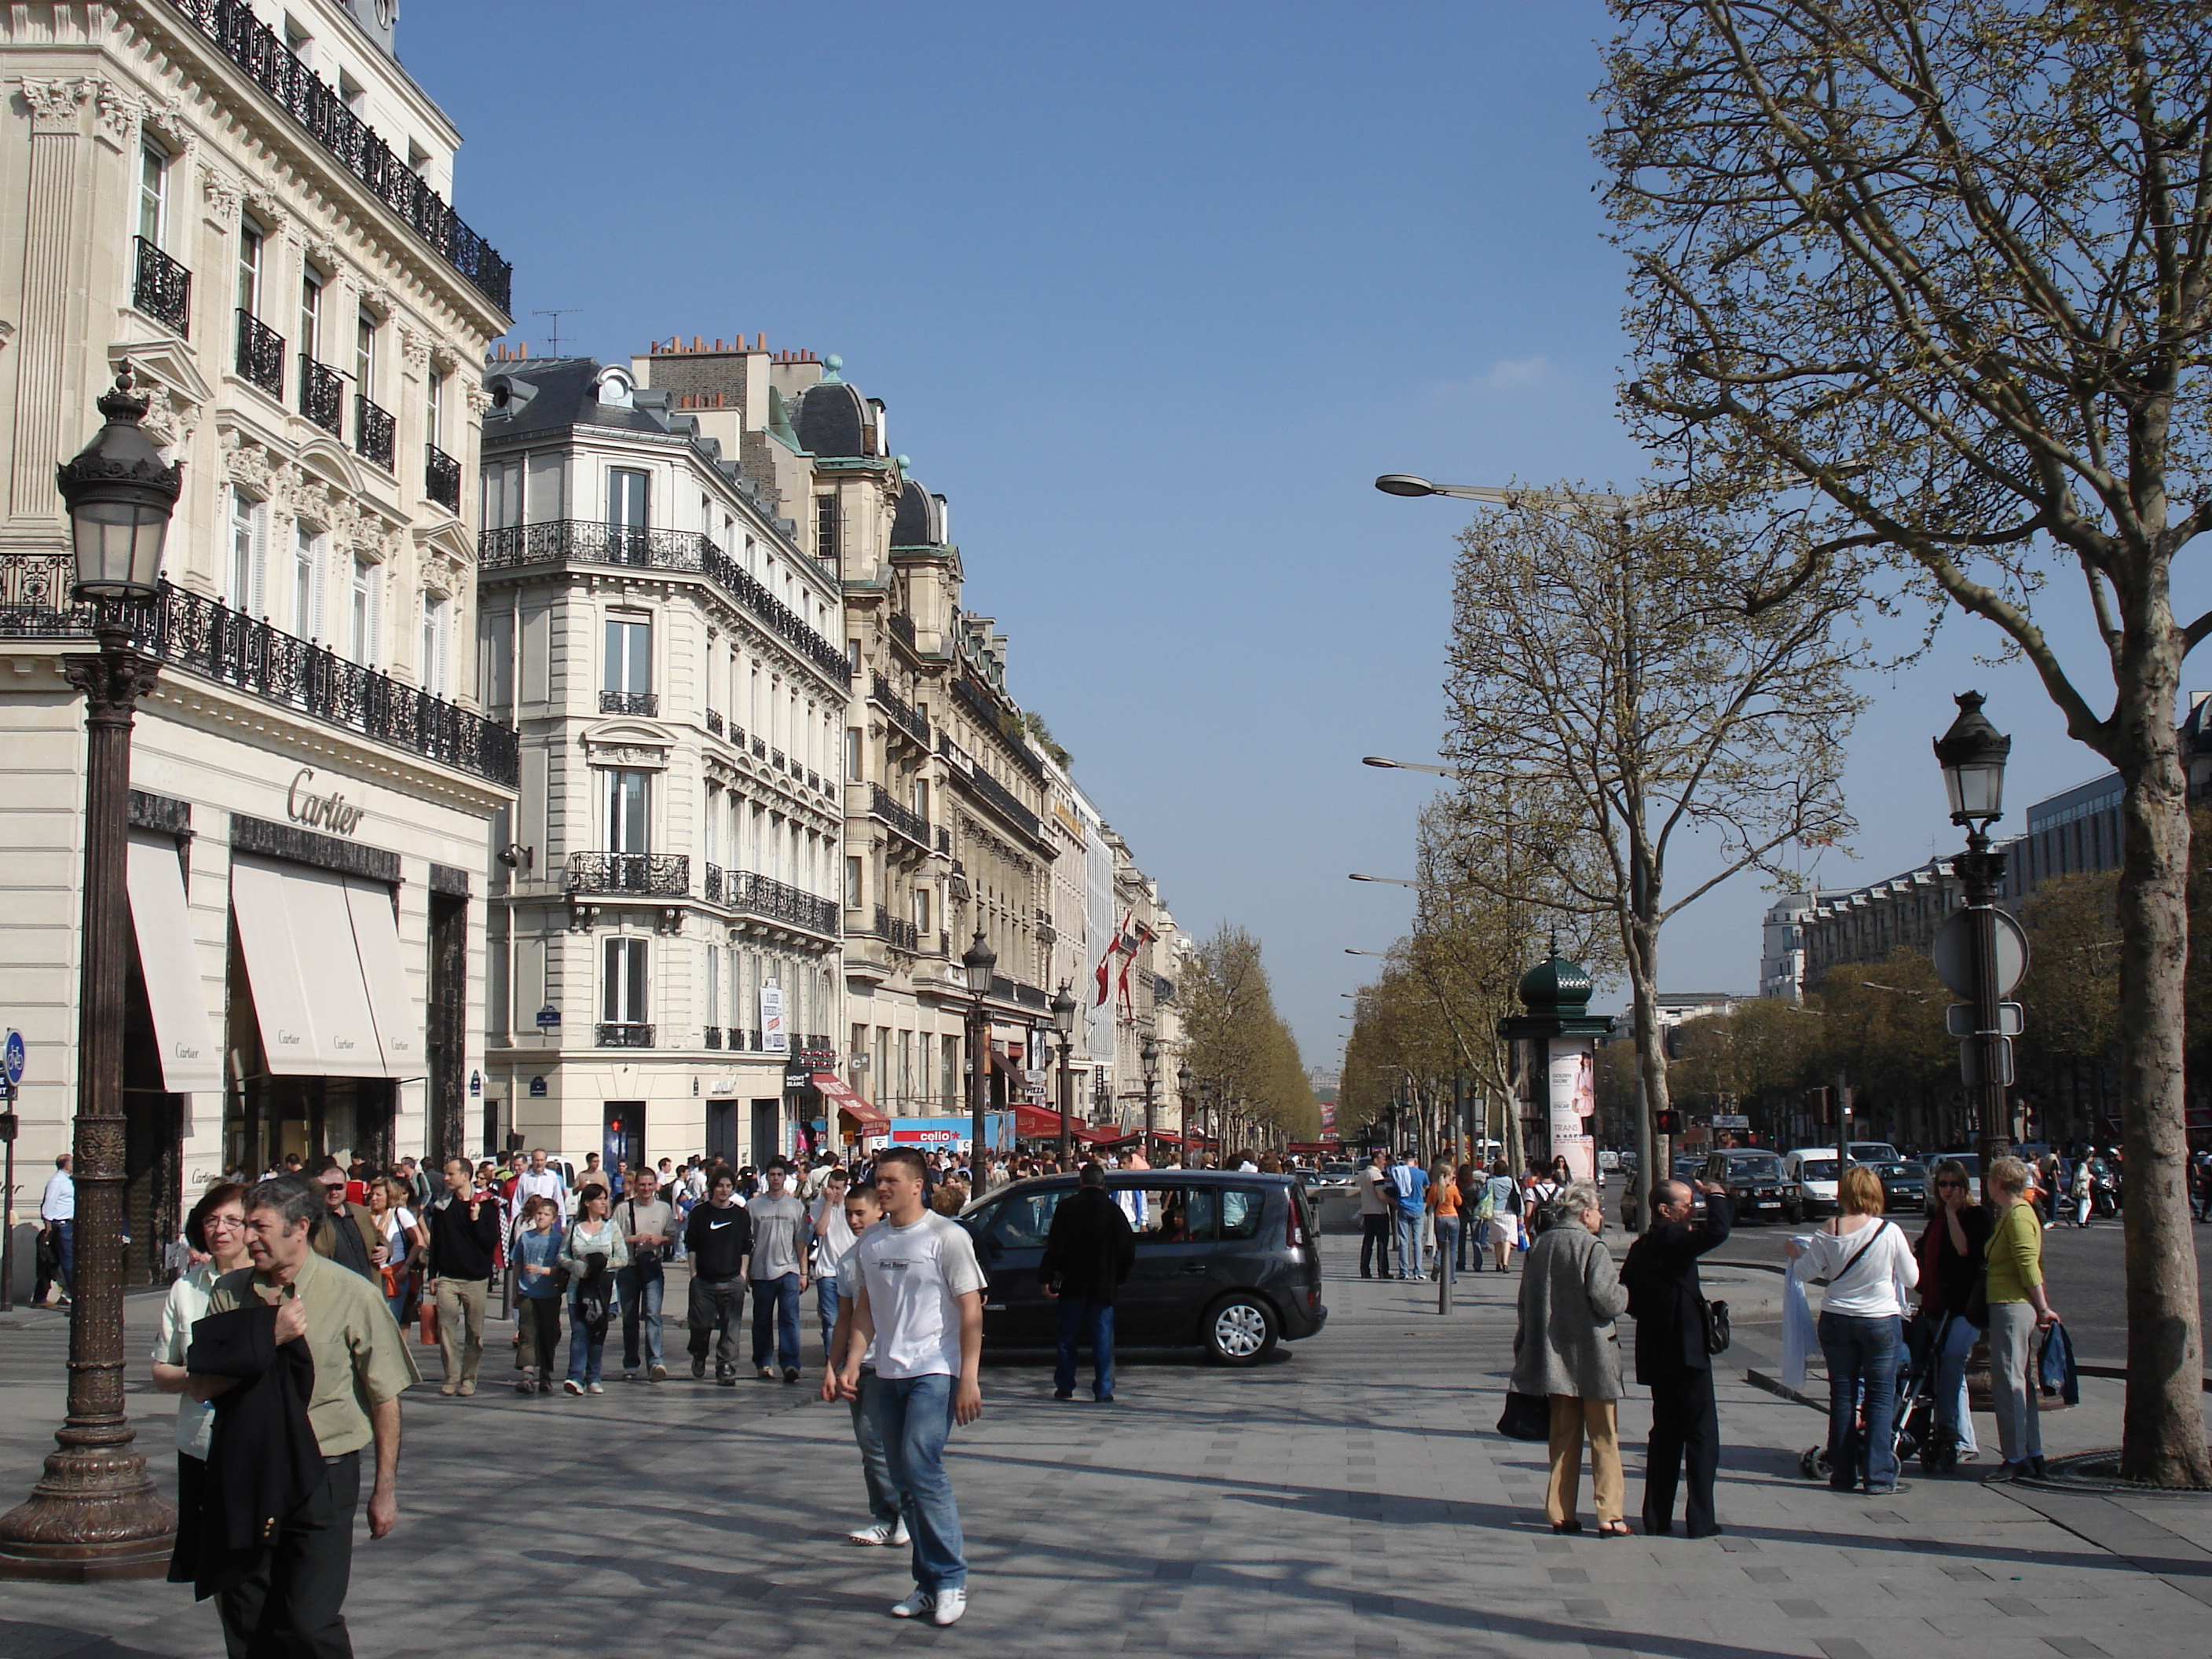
x=12, y=1058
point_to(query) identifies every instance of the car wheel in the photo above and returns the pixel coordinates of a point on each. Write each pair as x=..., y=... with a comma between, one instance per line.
x=1241, y=1330
x=1793, y=1213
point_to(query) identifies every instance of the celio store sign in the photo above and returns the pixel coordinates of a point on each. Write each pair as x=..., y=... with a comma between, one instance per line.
x=333, y=811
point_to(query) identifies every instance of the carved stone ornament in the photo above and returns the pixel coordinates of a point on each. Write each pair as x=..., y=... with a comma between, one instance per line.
x=117, y=112
x=479, y=399
x=380, y=299
x=168, y=125
x=54, y=104
x=223, y=191
x=245, y=463
x=268, y=210
x=414, y=346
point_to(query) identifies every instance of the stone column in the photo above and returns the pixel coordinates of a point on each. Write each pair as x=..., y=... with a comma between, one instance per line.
x=43, y=332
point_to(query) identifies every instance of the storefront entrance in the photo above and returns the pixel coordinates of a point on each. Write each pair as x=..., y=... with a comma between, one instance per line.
x=624, y=1135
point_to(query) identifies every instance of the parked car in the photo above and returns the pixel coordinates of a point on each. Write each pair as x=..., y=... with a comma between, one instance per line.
x=1225, y=1262
x=1875, y=1151
x=1903, y=1186
x=1813, y=1169
x=1758, y=1188
x=1688, y=1168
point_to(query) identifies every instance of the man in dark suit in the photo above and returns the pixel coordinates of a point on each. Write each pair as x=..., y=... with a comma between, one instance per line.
x=1087, y=1254
x=1668, y=1305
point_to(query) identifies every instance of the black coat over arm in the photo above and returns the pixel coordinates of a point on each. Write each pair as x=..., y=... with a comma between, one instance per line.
x=1664, y=1296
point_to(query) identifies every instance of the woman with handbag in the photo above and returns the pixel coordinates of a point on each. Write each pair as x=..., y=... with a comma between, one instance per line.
x=1865, y=1263
x=1567, y=1352
x=1501, y=1198
x=591, y=1254
x=1952, y=1307
x=401, y=1238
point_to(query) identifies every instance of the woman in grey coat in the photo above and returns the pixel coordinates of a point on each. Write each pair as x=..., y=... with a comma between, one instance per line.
x=1566, y=1348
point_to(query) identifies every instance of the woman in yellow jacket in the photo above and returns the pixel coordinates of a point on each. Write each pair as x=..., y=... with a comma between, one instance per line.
x=2018, y=1310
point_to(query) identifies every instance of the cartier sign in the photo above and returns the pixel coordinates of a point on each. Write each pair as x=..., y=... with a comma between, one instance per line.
x=332, y=811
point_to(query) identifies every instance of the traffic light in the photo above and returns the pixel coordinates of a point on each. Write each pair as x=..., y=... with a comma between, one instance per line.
x=1667, y=1123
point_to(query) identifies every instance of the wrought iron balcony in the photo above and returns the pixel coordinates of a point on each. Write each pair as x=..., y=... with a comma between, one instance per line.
x=323, y=112
x=163, y=287
x=714, y=721
x=374, y=433
x=775, y=758
x=713, y=891
x=1000, y=797
x=260, y=354
x=904, y=717
x=899, y=935
x=441, y=478
x=907, y=822
x=661, y=875
x=579, y=541
x=210, y=639
x=772, y=901
x=630, y=702
x=760, y=747
x=714, y=1036
x=902, y=625
x=624, y=1034
x=1001, y=723
x=322, y=396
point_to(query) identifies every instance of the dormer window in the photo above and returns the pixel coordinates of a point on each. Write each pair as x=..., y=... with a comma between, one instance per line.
x=614, y=388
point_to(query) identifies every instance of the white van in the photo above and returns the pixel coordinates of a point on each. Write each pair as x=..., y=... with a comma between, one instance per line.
x=1813, y=1169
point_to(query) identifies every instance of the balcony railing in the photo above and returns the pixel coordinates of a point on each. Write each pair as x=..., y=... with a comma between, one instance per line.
x=624, y=1034
x=207, y=637
x=714, y=721
x=322, y=396
x=902, y=625
x=999, y=723
x=907, y=822
x=714, y=1036
x=904, y=717
x=713, y=890
x=999, y=796
x=760, y=747
x=630, y=702
x=441, y=478
x=374, y=433
x=775, y=901
x=260, y=354
x=775, y=758
x=661, y=875
x=899, y=935
x=579, y=541
x=309, y=99
x=163, y=287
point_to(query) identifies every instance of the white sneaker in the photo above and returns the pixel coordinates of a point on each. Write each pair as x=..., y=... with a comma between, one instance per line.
x=876, y=1534
x=900, y=1535
x=916, y=1603
x=950, y=1604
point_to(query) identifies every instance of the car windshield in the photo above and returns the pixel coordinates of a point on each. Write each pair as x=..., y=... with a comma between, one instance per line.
x=1874, y=1151
x=1757, y=1167
x=1895, y=1171
x=1816, y=1168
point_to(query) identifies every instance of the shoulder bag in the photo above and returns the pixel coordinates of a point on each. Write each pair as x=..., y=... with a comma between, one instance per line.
x=1873, y=1233
x=1714, y=1317
x=1526, y=1417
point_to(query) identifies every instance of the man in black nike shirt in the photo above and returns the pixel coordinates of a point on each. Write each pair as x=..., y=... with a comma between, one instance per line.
x=719, y=1239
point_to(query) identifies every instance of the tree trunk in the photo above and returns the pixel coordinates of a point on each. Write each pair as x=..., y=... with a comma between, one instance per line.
x=2163, y=1436
x=1639, y=937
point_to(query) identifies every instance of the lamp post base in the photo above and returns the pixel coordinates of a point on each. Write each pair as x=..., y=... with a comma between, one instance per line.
x=95, y=1517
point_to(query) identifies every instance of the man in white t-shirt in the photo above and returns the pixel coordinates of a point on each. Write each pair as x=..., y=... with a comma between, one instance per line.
x=540, y=1179
x=917, y=1294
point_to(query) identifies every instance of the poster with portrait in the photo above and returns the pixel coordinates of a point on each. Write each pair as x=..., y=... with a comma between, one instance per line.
x=1572, y=1080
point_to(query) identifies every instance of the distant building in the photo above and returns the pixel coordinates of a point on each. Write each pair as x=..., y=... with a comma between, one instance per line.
x=1866, y=924
x=1781, y=947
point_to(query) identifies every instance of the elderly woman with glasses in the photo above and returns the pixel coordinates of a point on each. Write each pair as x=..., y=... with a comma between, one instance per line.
x=1566, y=1348
x=1952, y=1309
x=215, y=1230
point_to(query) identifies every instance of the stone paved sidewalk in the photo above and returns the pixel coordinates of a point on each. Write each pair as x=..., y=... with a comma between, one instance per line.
x=1348, y=1498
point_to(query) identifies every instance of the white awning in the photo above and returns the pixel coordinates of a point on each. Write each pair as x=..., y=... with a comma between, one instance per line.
x=384, y=972
x=169, y=958
x=296, y=927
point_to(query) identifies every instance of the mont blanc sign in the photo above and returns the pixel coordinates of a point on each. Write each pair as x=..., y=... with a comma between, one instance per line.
x=333, y=811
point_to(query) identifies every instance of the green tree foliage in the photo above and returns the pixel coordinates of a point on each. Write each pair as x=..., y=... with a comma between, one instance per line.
x=1240, y=1044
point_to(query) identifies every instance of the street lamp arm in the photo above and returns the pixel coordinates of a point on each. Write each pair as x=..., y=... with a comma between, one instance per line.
x=1388, y=764
x=1405, y=483
x=1391, y=881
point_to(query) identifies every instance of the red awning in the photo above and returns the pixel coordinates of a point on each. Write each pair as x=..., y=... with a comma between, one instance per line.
x=1105, y=1134
x=1034, y=1122
x=864, y=1118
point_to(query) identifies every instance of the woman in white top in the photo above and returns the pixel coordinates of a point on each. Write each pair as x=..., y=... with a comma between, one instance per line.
x=1869, y=1267
x=400, y=1237
x=216, y=1231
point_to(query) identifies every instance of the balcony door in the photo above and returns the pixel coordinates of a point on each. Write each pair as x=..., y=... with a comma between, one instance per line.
x=623, y=1000
x=627, y=509
x=629, y=797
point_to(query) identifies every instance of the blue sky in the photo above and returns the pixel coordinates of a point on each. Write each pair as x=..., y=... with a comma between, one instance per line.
x=1152, y=293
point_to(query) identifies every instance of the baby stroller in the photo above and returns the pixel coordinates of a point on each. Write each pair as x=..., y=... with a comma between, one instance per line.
x=1913, y=1426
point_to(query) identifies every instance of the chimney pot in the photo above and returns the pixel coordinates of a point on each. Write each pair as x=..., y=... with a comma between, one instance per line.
x=695, y=346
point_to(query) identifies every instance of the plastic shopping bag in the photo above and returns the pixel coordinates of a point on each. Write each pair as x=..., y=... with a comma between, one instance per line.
x=1800, y=1335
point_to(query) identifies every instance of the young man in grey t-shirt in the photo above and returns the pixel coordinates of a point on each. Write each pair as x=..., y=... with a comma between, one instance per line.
x=778, y=1272
x=647, y=1222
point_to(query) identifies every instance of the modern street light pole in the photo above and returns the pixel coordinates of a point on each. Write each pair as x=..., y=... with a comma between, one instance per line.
x=1972, y=755
x=978, y=962
x=95, y=1514
x=1063, y=1020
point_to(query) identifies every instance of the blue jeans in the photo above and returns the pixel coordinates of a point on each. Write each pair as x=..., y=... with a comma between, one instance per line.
x=826, y=1301
x=1862, y=1353
x=775, y=1308
x=1409, y=1243
x=1952, y=1418
x=913, y=1418
x=639, y=1288
x=883, y=1506
x=586, y=1351
x=1449, y=1254
x=1082, y=1319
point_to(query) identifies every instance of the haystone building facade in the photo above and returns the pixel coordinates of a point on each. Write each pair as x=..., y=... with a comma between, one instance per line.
x=249, y=205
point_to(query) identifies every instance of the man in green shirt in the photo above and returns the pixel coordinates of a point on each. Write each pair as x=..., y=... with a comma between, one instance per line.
x=361, y=1367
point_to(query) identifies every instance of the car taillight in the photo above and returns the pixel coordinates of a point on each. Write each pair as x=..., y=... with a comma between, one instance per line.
x=1294, y=1234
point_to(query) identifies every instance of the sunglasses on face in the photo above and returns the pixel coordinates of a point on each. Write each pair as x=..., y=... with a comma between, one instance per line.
x=1950, y=1185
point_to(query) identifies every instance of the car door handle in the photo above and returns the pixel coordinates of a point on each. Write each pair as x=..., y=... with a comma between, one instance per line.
x=1195, y=1268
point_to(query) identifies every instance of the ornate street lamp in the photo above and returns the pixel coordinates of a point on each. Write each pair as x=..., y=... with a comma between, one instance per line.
x=95, y=1514
x=1148, y=1052
x=979, y=962
x=1183, y=1108
x=1206, y=1107
x=1972, y=755
x=1063, y=1021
